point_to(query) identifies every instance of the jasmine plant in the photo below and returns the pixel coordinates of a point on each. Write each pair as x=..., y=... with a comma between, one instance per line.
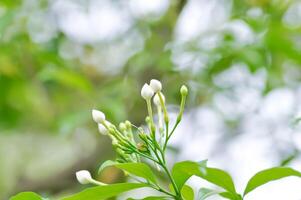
x=142, y=150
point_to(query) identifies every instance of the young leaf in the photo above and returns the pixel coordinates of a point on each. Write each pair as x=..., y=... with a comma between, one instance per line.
x=105, y=192
x=187, y=193
x=182, y=171
x=151, y=198
x=230, y=196
x=137, y=169
x=204, y=193
x=26, y=196
x=268, y=175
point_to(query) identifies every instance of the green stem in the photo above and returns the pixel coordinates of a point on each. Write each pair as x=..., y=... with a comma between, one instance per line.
x=150, y=114
x=166, y=136
x=173, y=130
x=97, y=182
x=175, y=187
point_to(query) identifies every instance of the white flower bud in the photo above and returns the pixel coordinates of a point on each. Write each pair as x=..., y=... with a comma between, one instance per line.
x=157, y=101
x=84, y=177
x=155, y=85
x=98, y=116
x=147, y=92
x=102, y=129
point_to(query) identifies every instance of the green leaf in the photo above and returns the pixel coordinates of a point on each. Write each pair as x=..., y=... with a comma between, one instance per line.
x=182, y=171
x=268, y=175
x=231, y=196
x=137, y=169
x=204, y=193
x=105, y=192
x=151, y=198
x=26, y=196
x=187, y=193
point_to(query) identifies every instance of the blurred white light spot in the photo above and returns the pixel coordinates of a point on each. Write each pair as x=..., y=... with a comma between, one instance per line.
x=149, y=9
x=241, y=31
x=100, y=21
x=41, y=27
x=292, y=17
x=255, y=12
x=200, y=16
x=278, y=104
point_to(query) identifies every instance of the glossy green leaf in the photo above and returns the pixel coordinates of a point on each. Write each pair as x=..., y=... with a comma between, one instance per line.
x=182, y=171
x=152, y=198
x=137, y=169
x=26, y=196
x=231, y=196
x=268, y=175
x=105, y=192
x=187, y=192
x=204, y=193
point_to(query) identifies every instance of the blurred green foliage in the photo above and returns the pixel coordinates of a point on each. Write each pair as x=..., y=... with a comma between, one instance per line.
x=41, y=92
x=39, y=89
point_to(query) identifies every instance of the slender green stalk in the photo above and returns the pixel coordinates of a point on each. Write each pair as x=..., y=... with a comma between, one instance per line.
x=175, y=187
x=150, y=114
x=166, y=136
x=97, y=182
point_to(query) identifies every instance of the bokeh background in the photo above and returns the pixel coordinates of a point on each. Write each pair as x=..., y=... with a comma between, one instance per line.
x=241, y=60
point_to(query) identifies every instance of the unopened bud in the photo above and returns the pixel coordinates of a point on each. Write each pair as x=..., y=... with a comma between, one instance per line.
x=128, y=124
x=84, y=177
x=147, y=92
x=157, y=101
x=103, y=130
x=143, y=136
x=155, y=85
x=140, y=129
x=184, y=90
x=122, y=126
x=142, y=147
x=98, y=116
x=147, y=120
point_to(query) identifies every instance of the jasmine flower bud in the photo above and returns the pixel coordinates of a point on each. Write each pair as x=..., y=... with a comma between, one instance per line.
x=140, y=129
x=147, y=120
x=147, y=92
x=98, y=116
x=157, y=101
x=184, y=90
x=142, y=147
x=122, y=127
x=84, y=177
x=156, y=85
x=103, y=130
x=128, y=124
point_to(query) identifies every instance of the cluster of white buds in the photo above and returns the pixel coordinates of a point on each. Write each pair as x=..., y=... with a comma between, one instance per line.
x=123, y=139
x=148, y=90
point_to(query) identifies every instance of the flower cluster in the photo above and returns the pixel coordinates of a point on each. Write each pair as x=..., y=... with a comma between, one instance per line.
x=132, y=143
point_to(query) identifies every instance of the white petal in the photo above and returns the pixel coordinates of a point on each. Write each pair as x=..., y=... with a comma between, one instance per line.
x=157, y=99
x=98, y=116
x=103, y=130
x=155, y=85
x=83, y=176
x=147, y=92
